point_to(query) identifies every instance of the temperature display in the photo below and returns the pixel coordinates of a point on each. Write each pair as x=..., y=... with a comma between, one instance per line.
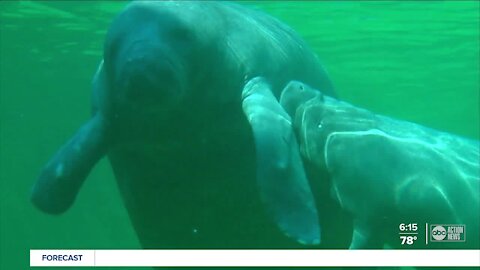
x=408, y=239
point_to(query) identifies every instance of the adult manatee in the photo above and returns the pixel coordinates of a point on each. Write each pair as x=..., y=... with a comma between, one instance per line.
x=167, y=112
x=386, y=171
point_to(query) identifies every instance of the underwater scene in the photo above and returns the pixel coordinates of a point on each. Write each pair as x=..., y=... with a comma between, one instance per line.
x=191, y=152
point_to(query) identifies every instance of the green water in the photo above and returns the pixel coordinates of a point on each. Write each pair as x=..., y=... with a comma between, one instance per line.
x=417, y=61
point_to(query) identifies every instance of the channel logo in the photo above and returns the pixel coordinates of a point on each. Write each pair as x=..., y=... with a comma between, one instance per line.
x=447, y=232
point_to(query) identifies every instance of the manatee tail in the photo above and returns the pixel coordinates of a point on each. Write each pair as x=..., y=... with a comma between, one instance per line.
x=60, y=180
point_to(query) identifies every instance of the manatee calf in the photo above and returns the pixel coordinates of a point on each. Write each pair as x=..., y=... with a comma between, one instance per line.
x=385, y=171
x=167, y=111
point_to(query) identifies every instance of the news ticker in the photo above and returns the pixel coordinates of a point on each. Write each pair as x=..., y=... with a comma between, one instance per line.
x=253, y=258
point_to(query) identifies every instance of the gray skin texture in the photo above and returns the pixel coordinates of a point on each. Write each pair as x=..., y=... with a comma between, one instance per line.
x=385, y=171
x=283, y=183
x=167, y=112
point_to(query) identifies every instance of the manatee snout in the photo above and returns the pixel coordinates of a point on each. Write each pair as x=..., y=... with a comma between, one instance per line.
x=147, y=59
x=316, y=117
x=149, y=77
x=297, y=93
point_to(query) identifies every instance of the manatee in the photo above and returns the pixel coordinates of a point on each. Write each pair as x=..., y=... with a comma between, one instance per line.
x=386, y=171
x=167, y=112
x=282, y=178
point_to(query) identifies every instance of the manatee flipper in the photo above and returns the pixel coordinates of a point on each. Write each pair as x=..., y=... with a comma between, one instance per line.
x=62, y=177
x=283, y=185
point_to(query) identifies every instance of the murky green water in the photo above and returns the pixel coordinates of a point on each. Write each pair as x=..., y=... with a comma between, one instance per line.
x=415, y=60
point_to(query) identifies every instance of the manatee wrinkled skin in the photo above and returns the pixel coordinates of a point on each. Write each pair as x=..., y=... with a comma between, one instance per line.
x=167, y=111
x=385, y=171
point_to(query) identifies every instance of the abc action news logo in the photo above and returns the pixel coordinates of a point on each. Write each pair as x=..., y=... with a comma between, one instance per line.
x=447, y=233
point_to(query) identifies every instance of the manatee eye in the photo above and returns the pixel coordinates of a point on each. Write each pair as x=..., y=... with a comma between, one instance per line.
x=301, y=87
